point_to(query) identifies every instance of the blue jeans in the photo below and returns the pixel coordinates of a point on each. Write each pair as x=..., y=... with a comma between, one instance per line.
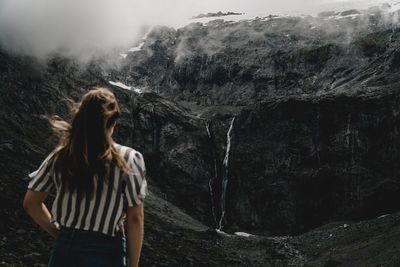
x=80, y=248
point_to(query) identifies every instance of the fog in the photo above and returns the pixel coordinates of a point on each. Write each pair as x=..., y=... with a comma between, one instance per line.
x=83, y=28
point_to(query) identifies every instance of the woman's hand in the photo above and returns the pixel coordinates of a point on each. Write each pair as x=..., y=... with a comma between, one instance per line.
x=134, y=233
x=34, y=206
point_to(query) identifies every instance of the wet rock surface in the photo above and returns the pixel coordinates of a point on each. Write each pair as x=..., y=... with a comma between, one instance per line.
x=318, y=159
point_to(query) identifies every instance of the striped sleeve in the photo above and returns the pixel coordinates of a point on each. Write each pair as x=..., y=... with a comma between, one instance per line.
x=42, y=179
x=136, y=184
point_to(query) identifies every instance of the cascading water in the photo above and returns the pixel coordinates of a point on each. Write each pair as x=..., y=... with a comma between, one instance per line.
x=225, y=175
x=132, y=104
x=213, y=183
x=317, y=138
x=156, y=129
x=213, y=178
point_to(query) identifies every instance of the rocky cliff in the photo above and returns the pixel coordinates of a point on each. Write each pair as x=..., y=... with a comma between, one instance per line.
x=236, y=63
x=316, y=107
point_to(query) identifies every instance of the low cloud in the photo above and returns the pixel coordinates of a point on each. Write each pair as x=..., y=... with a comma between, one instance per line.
x=84, y=28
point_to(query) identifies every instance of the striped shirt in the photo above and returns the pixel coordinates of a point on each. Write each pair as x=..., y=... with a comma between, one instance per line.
x=105, y=210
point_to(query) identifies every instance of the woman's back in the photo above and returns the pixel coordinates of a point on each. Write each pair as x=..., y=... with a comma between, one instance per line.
x=104, y=210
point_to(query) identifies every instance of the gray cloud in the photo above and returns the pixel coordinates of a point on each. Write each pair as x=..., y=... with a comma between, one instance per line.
x=71, y=27
x=83, y=28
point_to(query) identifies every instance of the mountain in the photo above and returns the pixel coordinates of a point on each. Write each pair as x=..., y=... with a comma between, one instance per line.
x=315, y=101
x=217, y=14
x=280, y=132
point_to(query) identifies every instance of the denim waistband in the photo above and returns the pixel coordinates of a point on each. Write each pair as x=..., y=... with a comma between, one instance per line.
x=71, y=233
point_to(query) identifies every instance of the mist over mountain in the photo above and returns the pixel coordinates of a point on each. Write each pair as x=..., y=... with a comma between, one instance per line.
x=269, y=140
x=95, y=28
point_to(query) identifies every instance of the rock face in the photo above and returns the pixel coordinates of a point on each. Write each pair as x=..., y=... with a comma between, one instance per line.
x=318, y=159
x=314, y=137
x=316, y=107
x=237, y=63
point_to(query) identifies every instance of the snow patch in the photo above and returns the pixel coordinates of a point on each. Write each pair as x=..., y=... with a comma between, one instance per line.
x=243, y=234
x=140, y=46
x=221, y=232
x=340, y=17
x=121, y=85
x=137, y=90
x=136, y=48
x=236, y=18
x=126, y=87
x=123, y=55
x=383, y=216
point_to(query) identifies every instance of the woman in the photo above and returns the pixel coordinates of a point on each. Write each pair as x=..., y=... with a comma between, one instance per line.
x=96, y=184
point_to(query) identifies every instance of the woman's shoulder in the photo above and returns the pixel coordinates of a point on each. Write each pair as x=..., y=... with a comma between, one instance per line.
x=128, y=152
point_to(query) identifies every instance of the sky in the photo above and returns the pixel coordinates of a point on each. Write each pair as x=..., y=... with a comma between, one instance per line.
x=81, y=28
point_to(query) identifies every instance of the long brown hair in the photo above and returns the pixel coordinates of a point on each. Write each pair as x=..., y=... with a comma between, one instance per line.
x=85, y=151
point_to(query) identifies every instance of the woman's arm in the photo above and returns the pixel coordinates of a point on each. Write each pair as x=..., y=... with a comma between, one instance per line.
x=134, y=233
x=34, y=206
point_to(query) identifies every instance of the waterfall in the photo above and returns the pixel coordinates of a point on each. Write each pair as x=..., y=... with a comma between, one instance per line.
x=225, y=176
x=213, y=178
x=213, y=182
x=317, y=142
x=155, y=127
x=350, y=138
x=348, y=130
x=132, y=116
